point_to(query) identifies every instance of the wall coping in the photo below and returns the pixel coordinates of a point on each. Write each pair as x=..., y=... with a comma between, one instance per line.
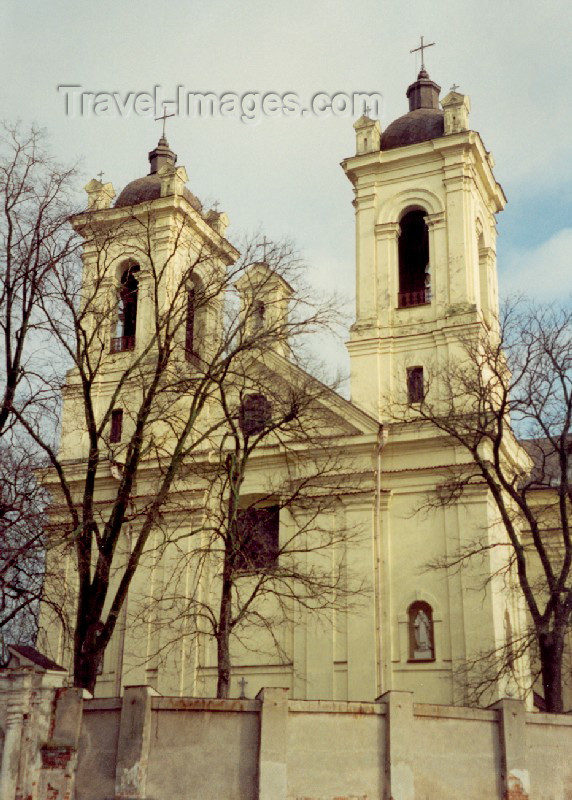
x=454, y=712
x=334, y=707
x=204, y=704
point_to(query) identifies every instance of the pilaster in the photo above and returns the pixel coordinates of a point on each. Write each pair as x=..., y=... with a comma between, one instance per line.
x=133, y=745
x=400, y=748
x=387, y=235
x=457, y=183
x=365, y=257
x=514, y=749
x=18, y=687
x=59, y=755
x=272, y=758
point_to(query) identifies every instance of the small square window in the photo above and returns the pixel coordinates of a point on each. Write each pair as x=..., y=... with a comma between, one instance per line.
x=257, y=538
x=415, y=385
x=116, y=425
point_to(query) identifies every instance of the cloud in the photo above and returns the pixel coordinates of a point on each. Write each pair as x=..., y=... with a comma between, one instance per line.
x=543, y=272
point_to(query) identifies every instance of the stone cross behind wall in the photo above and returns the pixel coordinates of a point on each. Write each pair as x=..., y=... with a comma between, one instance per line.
x=242, y=683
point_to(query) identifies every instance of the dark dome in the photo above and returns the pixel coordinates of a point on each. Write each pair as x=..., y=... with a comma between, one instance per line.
x=419, y=125
x=142, y=190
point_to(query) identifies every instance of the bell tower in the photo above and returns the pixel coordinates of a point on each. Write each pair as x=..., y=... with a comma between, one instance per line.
x=425, y=205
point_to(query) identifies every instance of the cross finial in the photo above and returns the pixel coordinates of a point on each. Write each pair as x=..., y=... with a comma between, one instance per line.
x=264, y=244
x=216, y=204
x=100, y=175
x=422, y=47
x=454, y=87
x=366, y=109
x=164, y=118
x=242, y=683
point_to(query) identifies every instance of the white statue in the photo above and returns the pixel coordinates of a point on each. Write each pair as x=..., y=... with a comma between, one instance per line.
x=422, y=627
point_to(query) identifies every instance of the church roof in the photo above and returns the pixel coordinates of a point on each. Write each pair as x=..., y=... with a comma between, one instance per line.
x=147, y=188
x=143, y=190
x=416, y=126
x=424, y=121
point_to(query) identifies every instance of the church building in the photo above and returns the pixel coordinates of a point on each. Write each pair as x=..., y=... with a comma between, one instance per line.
x=426, y=279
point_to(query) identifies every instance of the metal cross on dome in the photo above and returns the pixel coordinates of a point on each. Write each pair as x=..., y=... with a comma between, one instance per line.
x=164, y=118
x=422, y=47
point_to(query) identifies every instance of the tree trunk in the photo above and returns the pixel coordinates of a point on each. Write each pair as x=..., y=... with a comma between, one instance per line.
x=223, y=635
x=551, y=653
x=86, y=669
x=87, y=654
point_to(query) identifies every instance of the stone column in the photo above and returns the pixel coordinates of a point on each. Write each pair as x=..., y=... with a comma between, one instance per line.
x=400, y=746
x=133, y=746
x=272, y=757
x=513, y=746
x=17, y=687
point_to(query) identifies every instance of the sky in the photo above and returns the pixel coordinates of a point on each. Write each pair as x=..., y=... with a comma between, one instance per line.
x=280, y=175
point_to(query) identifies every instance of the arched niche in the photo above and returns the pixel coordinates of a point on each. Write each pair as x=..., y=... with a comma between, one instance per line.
x=421, y=631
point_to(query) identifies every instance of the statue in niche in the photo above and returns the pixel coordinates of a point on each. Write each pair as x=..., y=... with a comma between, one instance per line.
x=422, y=629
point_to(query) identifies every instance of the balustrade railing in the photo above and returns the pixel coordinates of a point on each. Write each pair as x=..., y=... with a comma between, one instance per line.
x=121, y=343
x=419, y=298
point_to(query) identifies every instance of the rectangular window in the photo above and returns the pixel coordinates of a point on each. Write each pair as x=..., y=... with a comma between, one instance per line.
x=415, y=387
x=116, y=425
x=257, y=538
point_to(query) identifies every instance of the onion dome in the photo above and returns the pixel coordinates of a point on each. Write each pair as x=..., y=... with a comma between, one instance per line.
x=424, y=121
x=143, y=190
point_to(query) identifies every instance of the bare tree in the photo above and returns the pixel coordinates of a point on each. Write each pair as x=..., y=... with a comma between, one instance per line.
x=270, y=542
x=499, y=384
x=153, y=333
x=22, y=547
x=35, y=241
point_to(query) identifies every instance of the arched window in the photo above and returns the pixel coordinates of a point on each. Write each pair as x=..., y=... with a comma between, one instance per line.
x=254, y=414
x=259, y=315
x=414, y=275
x=421, y=635
x=127, y=311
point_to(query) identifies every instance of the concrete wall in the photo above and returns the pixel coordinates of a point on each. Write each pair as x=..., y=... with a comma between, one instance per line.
x=224, y=755
x=59, y=744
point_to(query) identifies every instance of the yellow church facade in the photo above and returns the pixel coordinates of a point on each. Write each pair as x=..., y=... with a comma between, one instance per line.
x=425, y=205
